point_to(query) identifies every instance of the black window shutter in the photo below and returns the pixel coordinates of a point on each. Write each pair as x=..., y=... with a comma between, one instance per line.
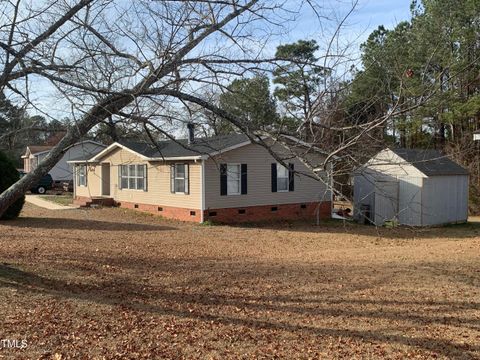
x=274, y=177
x=291, y=178
x=187, y=180
x=145, y=177
x=172, y=178
x=120, y=176
x=244, y=178
x=223, y=179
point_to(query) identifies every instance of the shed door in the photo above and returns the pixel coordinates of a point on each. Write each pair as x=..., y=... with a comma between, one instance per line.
x=410, y=205
x=386, y=201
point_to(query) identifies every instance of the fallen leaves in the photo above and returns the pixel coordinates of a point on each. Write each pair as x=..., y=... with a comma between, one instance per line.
x=159, y=289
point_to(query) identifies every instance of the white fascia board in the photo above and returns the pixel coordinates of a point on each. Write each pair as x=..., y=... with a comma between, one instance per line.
x=476, y=136
x=81, y=162
x=175, y=158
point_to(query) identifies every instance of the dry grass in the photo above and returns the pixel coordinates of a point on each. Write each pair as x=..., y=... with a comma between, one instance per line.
x=118, y=284
x=60, y=198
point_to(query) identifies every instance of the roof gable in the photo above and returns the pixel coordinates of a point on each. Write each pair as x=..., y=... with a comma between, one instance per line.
x=111, y=148
x=37, y=149
x=388, y=163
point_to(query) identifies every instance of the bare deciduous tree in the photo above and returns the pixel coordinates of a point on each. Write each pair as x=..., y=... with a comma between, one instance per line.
x=141, y=58
x=150, y=61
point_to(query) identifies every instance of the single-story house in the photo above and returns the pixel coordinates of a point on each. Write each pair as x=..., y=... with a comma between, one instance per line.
x=411, y=187
x=62, y=171
x=223, y=178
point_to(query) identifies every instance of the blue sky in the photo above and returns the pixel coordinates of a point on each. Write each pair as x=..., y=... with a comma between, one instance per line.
x=368, y=15
x=372, y=13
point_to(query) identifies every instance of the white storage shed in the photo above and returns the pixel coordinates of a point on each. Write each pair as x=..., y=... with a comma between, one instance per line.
x=411, y=187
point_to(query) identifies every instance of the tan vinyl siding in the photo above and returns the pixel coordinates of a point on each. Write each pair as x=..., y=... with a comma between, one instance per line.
x=259, y=162
x=94, y=182
x=158, y=182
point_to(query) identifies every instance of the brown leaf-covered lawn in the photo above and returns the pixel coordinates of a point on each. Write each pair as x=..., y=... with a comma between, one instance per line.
x=116, y=284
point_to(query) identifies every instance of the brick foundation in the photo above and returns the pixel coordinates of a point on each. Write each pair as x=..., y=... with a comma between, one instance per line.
x=82, y=201
x=266, y=212
x=228, y=215
x=169, y=212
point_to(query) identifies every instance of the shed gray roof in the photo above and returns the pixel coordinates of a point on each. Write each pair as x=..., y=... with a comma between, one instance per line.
x=181, y=148
x=431, y=162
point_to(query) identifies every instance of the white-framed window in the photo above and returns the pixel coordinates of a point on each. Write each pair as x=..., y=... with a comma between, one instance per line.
x=82, y=175
x=233, y=179
x=282, y=178
x=179, y=178
x=133, y=177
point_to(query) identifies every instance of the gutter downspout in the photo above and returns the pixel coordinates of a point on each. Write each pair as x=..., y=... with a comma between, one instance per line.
x=330, y=174
x=74, y=181
x=202, y=193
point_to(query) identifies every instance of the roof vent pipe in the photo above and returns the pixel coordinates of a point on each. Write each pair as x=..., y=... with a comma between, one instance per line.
x=191, y=133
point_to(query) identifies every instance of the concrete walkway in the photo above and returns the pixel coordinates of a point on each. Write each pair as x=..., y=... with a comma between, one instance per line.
x=50, y=205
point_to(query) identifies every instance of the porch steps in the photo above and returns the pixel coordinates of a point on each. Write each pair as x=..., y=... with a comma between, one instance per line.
x=99, y=201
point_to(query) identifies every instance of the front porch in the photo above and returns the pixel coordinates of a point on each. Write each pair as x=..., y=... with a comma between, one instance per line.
x=83, y=201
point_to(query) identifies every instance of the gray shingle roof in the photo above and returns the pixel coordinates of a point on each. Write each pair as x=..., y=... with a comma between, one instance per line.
x=431, y=162
x=87, y=155
x=181, y=148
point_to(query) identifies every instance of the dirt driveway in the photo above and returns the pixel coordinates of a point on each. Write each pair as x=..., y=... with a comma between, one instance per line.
x=119, y=284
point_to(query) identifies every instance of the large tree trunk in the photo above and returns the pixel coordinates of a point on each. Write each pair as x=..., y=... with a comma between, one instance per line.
x=107, y=107
x=111, y=105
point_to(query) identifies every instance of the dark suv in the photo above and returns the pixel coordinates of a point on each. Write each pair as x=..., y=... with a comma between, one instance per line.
x=45, y=183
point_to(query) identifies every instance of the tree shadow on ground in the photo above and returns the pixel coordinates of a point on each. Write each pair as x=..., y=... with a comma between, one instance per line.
x=77, y=224
x=212, y=306
x=463, y=230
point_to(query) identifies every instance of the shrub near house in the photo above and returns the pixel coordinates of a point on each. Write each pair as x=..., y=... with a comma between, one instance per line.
x=9, y=176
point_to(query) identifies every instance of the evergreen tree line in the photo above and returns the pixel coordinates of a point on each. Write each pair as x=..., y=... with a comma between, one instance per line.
x=426, y=71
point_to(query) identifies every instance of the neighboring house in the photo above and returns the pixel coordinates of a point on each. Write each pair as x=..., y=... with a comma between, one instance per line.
x=62, y=171
x=225, y=179
x=412, y=187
